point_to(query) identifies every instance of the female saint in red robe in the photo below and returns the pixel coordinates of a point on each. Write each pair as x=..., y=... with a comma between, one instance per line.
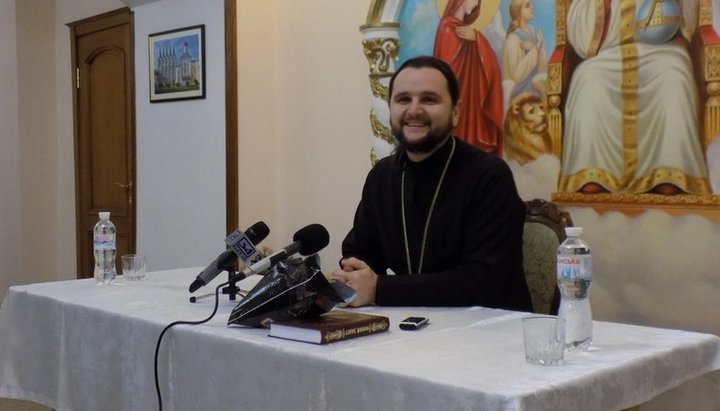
x=475, y=65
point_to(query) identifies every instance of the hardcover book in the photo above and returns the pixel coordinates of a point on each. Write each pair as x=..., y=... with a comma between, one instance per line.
x=330, y=327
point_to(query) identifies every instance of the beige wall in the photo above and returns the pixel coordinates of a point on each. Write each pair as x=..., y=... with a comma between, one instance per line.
x=37, y=139
x=303, y=116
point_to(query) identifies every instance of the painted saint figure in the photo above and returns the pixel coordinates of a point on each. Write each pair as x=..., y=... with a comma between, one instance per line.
x=641, y=137
x=473, y=61
x=524, y=59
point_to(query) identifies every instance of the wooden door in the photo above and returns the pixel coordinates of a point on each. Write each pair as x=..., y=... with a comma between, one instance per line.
x=104, y=123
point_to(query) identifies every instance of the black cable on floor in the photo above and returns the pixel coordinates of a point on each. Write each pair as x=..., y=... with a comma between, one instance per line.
x=157, y=348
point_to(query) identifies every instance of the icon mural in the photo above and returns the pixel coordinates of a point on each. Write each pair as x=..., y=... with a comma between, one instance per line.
x=537, y=81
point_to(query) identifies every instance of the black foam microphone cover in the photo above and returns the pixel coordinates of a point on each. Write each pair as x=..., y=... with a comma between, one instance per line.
x=312, y=238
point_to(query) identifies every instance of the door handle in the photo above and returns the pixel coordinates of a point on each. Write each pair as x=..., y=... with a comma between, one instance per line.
x=127, y=186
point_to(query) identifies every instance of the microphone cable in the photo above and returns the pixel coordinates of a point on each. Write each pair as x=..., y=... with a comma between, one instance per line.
x=169, y=326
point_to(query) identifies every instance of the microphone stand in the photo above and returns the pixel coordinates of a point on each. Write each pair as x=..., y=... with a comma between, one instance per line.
x=231, y=289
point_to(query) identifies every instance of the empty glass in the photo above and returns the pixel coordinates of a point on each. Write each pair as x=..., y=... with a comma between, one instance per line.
x=544, y=338
x=133, y=267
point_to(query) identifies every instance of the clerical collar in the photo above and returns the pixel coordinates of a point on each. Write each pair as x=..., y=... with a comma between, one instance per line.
x=436, y=159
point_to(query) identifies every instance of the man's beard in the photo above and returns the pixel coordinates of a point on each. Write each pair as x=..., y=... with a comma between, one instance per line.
x=428, y=143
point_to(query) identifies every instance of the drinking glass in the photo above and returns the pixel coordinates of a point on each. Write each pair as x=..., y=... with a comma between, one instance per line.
x=133, y=267
x=544, y=338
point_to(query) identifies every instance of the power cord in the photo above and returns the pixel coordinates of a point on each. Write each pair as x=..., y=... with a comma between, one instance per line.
x=157, y=348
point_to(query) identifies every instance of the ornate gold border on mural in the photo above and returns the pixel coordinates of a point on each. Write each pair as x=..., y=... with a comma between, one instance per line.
x=712, y=63
x=381, y=130
x=373, y=156
x=554, y=74
x=707, y=206
x=554, y=88
x=705, y=14
x=386, y=25
x=645, y=199
x=378, y=90
x=381, y=46
x=560, y=22
x=711, y=70
x=374, y=14
x=379, y=53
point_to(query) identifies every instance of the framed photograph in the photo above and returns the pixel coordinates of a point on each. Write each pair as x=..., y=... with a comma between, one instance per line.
x=177, y=64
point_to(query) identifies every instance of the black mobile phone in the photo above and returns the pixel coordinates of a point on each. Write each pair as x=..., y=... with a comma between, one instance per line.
x=413, y=323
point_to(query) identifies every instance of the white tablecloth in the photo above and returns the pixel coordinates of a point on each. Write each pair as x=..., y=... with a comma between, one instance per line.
x=75, y=345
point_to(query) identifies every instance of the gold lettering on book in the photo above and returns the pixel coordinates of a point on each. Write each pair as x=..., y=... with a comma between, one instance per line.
x=377, y=326
x=335, y=335
x=373, y=327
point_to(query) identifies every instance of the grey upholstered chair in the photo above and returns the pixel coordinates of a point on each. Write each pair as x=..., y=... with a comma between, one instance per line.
x=545, y=224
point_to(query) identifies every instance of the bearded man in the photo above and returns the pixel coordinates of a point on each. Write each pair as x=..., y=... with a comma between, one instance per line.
x=440, y=222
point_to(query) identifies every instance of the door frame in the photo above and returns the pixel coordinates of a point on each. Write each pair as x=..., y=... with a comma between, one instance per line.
x=231, y=118
x=124, y=16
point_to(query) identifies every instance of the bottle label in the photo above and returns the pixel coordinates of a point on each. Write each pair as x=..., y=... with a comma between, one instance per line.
x=571, y=267
x=104, y=241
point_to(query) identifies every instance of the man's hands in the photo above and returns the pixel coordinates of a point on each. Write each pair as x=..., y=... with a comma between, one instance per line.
x=358, y=275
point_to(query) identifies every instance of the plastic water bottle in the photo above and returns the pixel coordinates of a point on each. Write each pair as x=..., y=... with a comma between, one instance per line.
x=574, y=273
x=104, y=247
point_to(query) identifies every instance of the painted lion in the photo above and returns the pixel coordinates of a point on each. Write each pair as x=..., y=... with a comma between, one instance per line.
x=526, y=130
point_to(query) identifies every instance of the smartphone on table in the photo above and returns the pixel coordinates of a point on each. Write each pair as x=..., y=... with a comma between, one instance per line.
x=413, y=323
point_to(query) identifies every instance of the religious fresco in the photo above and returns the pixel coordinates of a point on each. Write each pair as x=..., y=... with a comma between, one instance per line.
x=542, y=79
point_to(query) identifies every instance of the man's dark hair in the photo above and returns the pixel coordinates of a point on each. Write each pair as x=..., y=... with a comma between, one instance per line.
x=433, y=63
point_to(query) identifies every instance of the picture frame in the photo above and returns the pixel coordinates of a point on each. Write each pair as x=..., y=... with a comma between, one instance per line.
x=176, y=60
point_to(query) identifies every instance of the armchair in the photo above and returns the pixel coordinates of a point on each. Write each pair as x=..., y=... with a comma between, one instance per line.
x=544, y=230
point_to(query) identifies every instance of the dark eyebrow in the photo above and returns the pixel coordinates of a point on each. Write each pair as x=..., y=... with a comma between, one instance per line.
x=422, y=94
x=430, y=94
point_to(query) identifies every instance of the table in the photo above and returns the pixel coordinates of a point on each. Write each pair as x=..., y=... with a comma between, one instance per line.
x=75, y=345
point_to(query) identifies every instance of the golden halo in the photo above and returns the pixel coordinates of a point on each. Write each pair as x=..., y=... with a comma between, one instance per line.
x=488, y=8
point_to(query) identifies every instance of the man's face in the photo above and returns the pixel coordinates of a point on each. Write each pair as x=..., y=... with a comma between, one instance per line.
x=421, y=109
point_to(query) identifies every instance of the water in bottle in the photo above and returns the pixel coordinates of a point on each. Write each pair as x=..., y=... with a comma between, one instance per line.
x=574, y=273
x=104, y=246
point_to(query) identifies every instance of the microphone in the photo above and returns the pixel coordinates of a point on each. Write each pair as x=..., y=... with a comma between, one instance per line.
x=306, y=241
x=242, y=245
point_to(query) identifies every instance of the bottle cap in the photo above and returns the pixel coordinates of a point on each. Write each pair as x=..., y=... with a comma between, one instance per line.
x=573, y=231
x=104, y=215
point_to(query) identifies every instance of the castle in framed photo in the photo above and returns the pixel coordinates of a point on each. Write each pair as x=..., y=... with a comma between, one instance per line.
x=177, y=64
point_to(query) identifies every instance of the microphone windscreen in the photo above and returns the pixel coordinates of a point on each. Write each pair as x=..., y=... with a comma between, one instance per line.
x=257, y=232
x=297, y=288
x=312, y=239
